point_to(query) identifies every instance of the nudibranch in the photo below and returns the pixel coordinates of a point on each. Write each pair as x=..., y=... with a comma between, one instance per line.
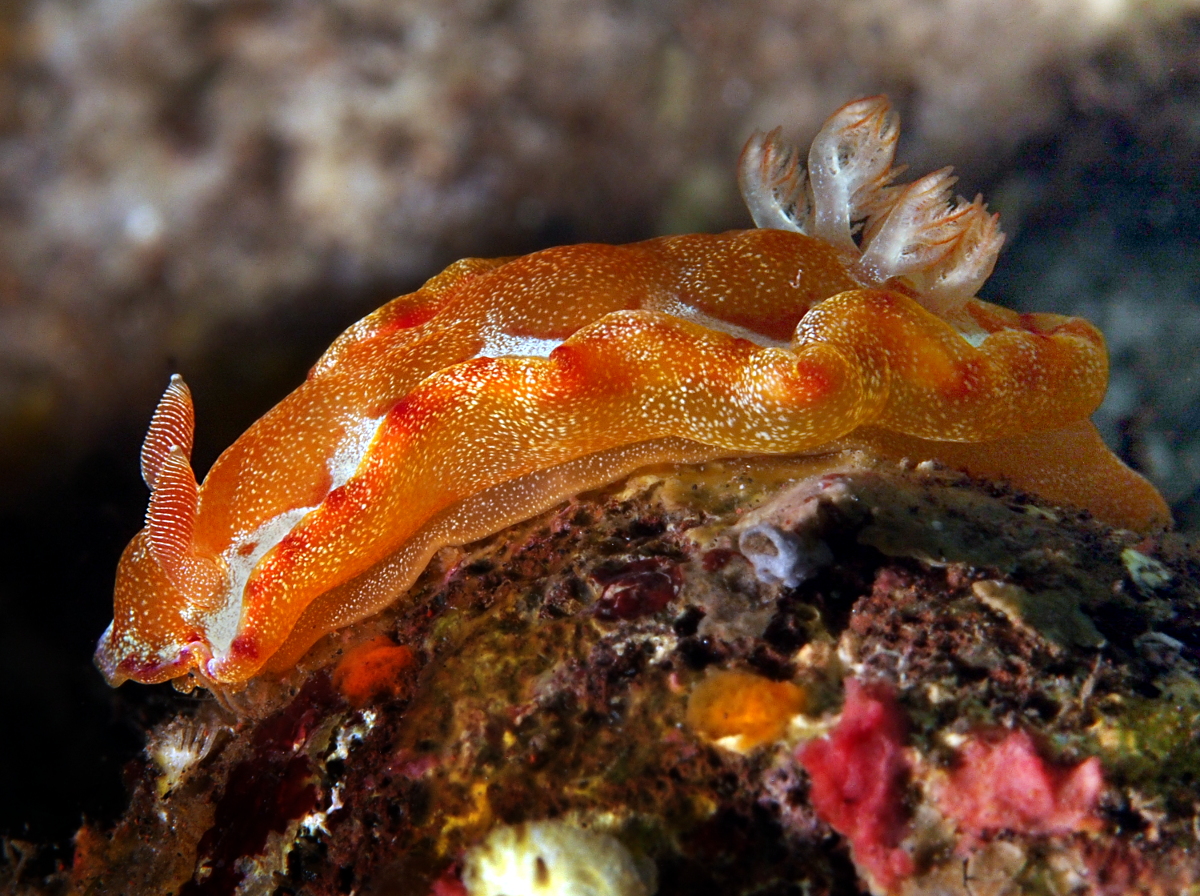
x=847, y=318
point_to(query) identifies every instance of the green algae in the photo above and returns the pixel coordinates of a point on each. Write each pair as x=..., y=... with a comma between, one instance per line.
x=1153, y=744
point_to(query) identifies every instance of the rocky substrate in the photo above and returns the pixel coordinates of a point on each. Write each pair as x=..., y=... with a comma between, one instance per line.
x=822, y=676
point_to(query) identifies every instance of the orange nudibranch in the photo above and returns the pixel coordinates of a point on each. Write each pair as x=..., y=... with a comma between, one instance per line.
x=502, y=387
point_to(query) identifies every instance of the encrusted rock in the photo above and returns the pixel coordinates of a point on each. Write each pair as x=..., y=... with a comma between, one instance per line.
x=970, y=694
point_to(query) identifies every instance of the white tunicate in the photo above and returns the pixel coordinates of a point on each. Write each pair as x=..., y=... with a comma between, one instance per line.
x=553, y=858
x=782, y=557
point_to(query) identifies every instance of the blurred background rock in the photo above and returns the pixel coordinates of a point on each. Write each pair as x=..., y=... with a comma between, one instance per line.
x=219, y=188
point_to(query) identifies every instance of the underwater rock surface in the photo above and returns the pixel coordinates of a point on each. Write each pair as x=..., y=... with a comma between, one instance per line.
x=963, y=692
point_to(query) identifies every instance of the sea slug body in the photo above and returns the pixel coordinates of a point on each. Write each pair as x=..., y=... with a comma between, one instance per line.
x=501, y=387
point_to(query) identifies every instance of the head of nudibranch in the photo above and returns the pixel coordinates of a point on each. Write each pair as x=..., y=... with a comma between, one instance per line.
x=163, y=584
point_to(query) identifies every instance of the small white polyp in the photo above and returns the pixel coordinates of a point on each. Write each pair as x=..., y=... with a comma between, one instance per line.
x=782, y=557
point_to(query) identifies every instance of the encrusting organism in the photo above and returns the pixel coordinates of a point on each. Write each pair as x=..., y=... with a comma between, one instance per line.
x=846, y=319
x=554, y=858
x=179, y=747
